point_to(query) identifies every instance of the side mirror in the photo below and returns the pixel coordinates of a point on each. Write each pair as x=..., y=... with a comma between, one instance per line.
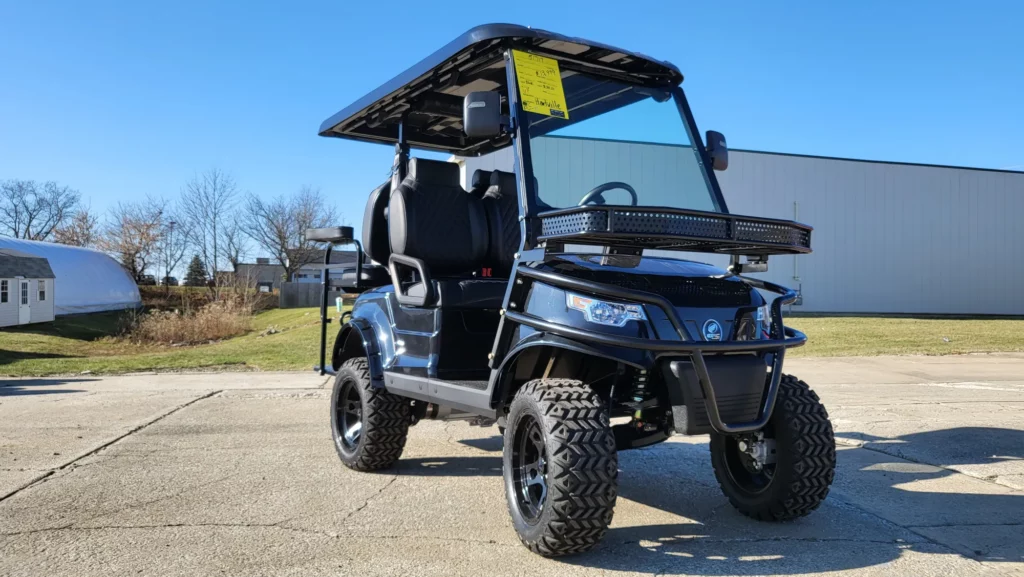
x=481, y=114
x=717, y=150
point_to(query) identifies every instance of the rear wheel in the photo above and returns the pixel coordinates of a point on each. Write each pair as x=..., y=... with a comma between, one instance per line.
x=560, y=466
x=785, y=470
x=369, y=425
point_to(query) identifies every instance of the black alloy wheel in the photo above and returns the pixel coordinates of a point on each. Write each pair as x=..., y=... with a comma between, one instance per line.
x=529, y=457
x=748, y=475
x=348, y=410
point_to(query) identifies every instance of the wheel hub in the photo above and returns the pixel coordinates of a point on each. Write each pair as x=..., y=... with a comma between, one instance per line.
x=758, y=450
x=530, y=468
x=349, y=416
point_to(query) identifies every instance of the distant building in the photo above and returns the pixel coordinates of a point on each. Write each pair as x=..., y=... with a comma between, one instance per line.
x=26, y=288
x=267, y=275
x=83, y=281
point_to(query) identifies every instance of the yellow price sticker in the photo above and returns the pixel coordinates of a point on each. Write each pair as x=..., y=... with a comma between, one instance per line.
x=540, y=84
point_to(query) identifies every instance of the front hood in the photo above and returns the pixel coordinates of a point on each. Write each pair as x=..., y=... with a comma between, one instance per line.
x=684, y=283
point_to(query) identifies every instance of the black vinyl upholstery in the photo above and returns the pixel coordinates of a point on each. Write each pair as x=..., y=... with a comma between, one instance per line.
x=376, y=244
x=479, y=183
x=501, y=205
x=432, y=218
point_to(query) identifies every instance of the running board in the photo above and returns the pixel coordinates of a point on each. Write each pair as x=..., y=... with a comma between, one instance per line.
x=444, y=393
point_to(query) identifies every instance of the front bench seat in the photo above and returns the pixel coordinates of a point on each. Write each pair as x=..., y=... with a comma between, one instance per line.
x=432, y=218
x=501, y=205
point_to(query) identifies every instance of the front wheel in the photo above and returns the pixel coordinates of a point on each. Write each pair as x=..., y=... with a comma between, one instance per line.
x=560, y=466
x=783, y=471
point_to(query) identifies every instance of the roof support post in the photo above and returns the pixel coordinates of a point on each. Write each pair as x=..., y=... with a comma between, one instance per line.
x=398, y=170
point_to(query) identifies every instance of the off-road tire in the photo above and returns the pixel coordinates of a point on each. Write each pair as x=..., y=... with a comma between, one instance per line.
x=385, y=420
x=805, y=453
x=582, y=466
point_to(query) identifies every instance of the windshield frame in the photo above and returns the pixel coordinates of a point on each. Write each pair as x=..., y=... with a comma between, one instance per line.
x=523, y=160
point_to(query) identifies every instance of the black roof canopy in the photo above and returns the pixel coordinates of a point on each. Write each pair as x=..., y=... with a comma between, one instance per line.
x=429, y=95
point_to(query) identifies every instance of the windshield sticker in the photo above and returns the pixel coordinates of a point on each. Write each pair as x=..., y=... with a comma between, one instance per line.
x=540, y=85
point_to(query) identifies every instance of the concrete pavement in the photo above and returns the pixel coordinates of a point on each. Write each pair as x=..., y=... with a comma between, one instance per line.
x=235, y=474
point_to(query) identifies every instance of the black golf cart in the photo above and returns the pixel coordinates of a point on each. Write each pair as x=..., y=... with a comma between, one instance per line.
x=510, y=285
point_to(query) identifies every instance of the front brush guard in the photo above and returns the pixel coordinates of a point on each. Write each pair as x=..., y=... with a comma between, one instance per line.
x=782, y=337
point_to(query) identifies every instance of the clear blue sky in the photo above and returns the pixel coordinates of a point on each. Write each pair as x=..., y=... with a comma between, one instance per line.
x=123, y=99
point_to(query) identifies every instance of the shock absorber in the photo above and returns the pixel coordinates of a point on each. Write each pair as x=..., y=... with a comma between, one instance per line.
x=644, y=401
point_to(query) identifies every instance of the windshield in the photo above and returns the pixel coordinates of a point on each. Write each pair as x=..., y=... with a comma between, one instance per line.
x=627, y=139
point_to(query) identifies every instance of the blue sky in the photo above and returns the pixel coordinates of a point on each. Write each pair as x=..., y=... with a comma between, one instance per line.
x=124, y=99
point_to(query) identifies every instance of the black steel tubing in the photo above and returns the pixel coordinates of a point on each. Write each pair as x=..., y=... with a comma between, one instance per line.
x=660, y=346
x=324, y=284
x=783, y=338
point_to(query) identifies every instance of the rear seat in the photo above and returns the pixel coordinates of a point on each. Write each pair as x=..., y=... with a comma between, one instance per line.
x=375, y=244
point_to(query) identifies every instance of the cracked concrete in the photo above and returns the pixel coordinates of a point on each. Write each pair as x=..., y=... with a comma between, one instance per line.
x=163, y=474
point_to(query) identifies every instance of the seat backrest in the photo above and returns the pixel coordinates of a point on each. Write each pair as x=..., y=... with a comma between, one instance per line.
x=479, y=183
x=376, y=244
x=432, y=218
x=501, y=204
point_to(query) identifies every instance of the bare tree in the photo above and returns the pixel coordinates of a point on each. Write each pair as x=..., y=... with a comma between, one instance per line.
x=82, y=229
x=207, y=204
x=236, y=243
x=133, y=234
x=34, y=211
x=173, y=242
x=278, y=226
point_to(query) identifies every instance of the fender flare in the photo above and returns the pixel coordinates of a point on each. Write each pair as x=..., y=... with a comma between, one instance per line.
x=370, y=348
x=542, y=339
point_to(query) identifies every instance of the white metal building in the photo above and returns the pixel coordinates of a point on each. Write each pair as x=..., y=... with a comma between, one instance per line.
x=26, y=288
x=889, y=237
x=87, y=280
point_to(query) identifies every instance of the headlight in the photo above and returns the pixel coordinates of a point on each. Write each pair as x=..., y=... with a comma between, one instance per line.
x=604, y=312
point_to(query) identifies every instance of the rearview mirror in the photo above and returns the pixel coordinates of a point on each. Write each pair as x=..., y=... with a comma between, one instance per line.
x=717, y=150
x=481, y=114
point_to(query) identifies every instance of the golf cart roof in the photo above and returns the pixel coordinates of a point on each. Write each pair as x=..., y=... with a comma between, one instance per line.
x=429, y=95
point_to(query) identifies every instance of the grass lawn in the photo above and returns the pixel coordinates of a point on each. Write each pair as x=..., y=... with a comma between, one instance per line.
x=864, y=336
x=75, y=344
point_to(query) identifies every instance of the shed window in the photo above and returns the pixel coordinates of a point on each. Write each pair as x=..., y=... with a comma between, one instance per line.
x=3, y=291
x=42, y=290
x=24, y=292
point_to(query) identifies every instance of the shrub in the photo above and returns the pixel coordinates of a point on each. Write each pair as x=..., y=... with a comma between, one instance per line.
x=214, y=321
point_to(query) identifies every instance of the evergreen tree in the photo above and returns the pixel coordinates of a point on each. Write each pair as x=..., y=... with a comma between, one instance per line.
x=196, y=275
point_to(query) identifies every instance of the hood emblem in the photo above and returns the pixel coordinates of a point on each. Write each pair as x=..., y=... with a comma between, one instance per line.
x=712, y=330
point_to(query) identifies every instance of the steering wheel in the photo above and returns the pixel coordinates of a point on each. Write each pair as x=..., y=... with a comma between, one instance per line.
x=595, y=193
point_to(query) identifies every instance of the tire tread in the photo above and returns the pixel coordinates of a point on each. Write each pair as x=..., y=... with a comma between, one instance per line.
x=583, y=469
x=385, y=424
x=813, y=451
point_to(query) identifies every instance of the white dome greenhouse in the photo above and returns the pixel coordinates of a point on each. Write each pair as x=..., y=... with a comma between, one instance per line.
x=87, y=280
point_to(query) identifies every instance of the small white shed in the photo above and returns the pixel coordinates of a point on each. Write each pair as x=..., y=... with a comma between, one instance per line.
x=26, y=288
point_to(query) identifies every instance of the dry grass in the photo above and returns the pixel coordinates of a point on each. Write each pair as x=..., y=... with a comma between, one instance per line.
x=193, y=315
x=213, y=322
